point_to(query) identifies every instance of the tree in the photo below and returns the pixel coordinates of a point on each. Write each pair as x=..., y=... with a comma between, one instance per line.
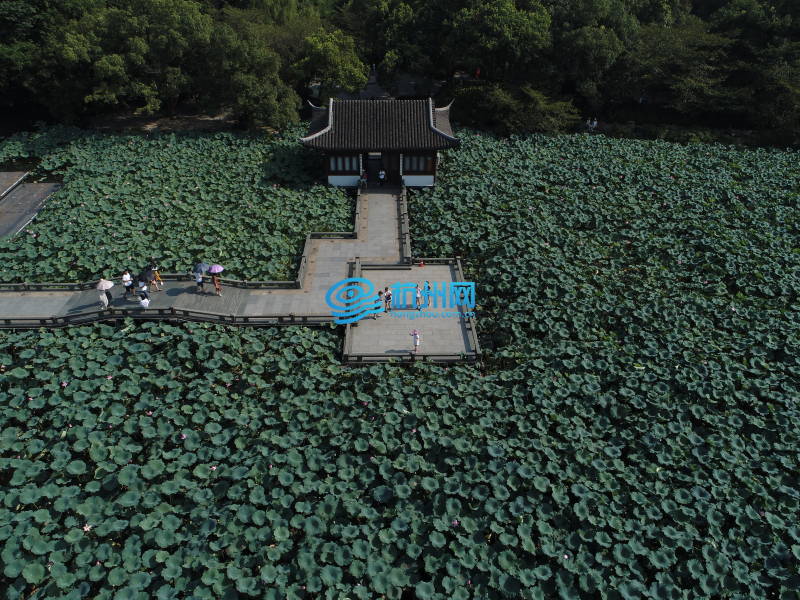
x=592, y=50
x=680, y=67
x=331, y=57
x=512, y=110
x=244, y=74
x=142, y=54
x=497, y=37
x=779, y=103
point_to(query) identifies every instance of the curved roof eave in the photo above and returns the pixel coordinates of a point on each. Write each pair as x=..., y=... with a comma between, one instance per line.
x=327, y=128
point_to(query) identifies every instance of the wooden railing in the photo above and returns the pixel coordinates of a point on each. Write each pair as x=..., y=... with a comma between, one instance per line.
x=169, y=314
x=90, y=285
x=405, y=229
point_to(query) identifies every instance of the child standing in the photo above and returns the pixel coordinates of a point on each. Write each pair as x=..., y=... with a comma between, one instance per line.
x=415, y=337
x=198, y=278
x=217, y=284
x=156, y=276
x=387, y=298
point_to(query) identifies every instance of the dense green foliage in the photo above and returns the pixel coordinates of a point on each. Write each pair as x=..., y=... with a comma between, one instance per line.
x=180, y=198
x=624, y=241
x=718, y=63
x=78, y=57
x=633, y=433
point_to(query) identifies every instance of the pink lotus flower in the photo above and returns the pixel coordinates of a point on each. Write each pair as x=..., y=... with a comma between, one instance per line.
x=455, y=522
x=364, y=403
x=270, y=466
x=214, y=468
x=97, y=563
x=413, y=431
x=64, y=384
x=469, y=581
x=183, y=436
x=87, y=527
x=109, y=377
x=149, y=412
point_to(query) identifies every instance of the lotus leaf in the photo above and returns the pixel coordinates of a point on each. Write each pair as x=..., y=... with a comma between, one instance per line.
x=33, y=572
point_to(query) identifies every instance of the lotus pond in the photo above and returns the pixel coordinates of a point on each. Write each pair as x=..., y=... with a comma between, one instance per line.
x=244, y=201
x=633, y=433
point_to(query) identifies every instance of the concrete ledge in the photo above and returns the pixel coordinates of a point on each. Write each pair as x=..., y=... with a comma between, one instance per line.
x=10, y=180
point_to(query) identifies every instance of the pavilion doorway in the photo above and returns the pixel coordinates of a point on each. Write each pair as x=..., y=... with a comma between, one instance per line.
x=388, y=161
x=373, y=162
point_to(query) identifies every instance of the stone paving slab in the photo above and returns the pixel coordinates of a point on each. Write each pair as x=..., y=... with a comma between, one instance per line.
x=35, y=304
x=9, y=179
x=22, y=204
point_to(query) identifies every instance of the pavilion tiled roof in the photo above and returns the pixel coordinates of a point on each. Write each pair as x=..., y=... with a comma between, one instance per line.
x=380, y=126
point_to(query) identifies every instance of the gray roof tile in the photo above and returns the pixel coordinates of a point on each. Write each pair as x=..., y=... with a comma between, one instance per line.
x=380, y=125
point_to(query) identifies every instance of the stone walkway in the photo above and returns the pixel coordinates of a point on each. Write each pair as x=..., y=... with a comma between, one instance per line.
x=21, y=204
x=9, y=179
x=378, y=244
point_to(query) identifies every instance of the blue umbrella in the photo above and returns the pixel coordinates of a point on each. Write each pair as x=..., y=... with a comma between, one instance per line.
x=201, y=267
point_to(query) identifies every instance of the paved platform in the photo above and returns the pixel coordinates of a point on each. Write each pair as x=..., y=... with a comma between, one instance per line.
x=21, y=205
x=377, y=247
x=389, y=335
x=8, y=179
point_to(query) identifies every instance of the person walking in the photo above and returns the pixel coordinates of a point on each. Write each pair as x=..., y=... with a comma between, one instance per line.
x=415, y=337
x=155, y=280
x=143, y=290
x=381, y=177
x=380, y=300
x=418, y=294
x=103, y=300
x=217, y=284
x=198, y=278
x=387, y=298
x=144, y=301
x=104, y=285
x=127, y=281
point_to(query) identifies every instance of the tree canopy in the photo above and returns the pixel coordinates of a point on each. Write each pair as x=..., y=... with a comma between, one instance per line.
x=730, y=63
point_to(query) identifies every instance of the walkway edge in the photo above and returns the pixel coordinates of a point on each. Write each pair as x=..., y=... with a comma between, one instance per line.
x=10, y=189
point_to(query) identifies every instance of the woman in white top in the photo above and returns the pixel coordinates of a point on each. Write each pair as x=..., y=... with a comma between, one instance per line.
x=127, y=281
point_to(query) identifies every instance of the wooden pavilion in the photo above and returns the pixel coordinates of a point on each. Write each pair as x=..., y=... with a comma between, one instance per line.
x=402, y=137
